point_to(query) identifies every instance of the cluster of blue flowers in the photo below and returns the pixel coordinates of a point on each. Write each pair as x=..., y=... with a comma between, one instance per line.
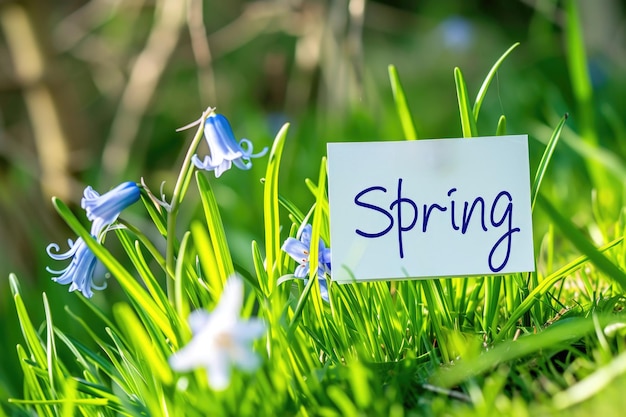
x=103, y=211
x=221, y=339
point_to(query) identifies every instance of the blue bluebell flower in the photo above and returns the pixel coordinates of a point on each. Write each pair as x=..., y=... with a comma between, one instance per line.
x=103, y=211
x=223, y=147
x=299, y=250
x=79, y=273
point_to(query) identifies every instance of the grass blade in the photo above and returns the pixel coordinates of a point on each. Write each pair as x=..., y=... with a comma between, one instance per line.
x=270, y=210
x=562, y=333
x=401, y=105
x=216, y=228
x=33, y=342
x=149, y=352
x=501, y=129
x=492, y=72
x=468, y=123
x=545, y=160
x=584, y=245
x=545, y=285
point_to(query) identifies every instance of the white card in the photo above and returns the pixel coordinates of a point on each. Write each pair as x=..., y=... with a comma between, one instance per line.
x=429, y=208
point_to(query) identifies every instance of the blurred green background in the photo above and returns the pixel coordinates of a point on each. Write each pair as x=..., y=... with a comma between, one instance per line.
x=91, y=92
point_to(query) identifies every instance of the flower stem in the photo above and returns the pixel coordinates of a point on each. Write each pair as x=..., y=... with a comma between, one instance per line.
x=180, y=189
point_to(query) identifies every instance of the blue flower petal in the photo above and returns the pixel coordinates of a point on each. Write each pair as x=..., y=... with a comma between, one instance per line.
x=323, y=288
x=299, y=250
x=223, y=147
x=104, y=209
x=80, y=270
x=296, y=249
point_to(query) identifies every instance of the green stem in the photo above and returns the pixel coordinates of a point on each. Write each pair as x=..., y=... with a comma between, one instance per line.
x=180, y=189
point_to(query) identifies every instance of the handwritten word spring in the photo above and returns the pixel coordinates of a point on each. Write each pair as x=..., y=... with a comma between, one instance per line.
x=498, y=215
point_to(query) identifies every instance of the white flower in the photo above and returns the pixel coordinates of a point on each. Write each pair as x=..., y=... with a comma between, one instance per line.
x=221, y=340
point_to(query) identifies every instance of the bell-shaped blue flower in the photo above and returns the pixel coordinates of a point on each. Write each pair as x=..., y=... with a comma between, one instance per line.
x=79, y=273
x=103, y=210
x=223, y=147
x=299, y=250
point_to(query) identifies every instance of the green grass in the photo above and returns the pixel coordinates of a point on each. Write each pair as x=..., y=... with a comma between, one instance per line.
x=551, y=342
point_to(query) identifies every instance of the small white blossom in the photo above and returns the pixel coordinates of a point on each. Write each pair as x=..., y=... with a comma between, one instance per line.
x=221, y=340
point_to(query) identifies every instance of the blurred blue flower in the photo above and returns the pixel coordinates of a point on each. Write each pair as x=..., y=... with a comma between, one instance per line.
x=102, y=210
x=299, y=250
x=457, y=33
x=223, y=147
x=221, y=339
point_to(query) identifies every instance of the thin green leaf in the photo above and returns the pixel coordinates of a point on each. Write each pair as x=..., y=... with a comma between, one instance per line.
x=483, y=88
x=144, y=347
x=291, y=209
x=33, y=342
x=259, y=266
x=468, y=123
x=55, y=374
x=501, y=129
x=134, y=253
x=592, y=384
x=270, y=210
x=182, y=306
x=155, y=215
x=216, y=227
x=208, y=261
x=156, y=255
x=545, y=160
x=401, y=104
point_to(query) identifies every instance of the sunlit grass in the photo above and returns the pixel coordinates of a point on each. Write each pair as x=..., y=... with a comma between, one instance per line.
x=546, y=342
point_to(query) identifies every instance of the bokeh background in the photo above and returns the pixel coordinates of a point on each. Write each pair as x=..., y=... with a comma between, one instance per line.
x=91, y=93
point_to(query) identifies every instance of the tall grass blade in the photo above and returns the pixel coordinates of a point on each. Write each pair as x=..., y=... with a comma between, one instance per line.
x=144, y=348
x=33, y=342
x=483, y=88
x=270, y=210
x=401, y=104
x=216, y=227
x=545, y=160
x=468, y=123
